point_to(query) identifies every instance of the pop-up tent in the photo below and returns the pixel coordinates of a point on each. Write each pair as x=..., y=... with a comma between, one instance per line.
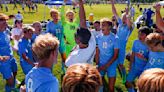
x=58, y=2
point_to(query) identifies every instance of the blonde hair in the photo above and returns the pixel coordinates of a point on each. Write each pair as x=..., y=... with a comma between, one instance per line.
x=44, y=45
x=81, y=78
x=151, y=80
x=106, y=20
x=54, y=11
x=70, y=11
x=153, y=38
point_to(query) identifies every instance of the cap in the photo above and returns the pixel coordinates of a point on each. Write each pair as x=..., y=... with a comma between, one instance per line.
x=3, y=17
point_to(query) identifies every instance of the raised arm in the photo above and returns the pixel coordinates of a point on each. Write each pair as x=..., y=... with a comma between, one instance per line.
x=82, y=15
x=128, y=18
x=159, y=20
x=114, y=10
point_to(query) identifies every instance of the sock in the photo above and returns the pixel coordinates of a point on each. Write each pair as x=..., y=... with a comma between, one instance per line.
x=123, y=73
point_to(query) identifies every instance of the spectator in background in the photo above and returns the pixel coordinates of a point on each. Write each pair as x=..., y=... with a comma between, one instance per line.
x=40, y=78
x=18, y=16
x=81, y=78
x=16, y=33
x=151, y=80
x=97, y=30
x=149, y=15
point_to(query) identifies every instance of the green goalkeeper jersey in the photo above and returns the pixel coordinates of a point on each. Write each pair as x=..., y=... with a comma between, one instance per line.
x=69, y=30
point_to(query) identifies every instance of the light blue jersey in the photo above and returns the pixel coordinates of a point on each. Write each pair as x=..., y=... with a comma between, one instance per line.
x=123, y=34
x=138, y=64
x=141, y=48
x=25, y=46
x=106, y=45
x=57, y=30
x=156, y=60
x=9, y=66
x=41, y=80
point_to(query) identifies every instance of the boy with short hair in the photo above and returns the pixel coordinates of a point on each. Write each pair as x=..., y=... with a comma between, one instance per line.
x=156, y=55
x=107, y=53
x=25, y=51
x=139, y=57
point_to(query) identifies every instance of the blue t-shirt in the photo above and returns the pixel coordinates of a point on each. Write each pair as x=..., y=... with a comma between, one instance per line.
x=25, y=46
x=106, y=45
x=33, y=37
x=56, y=30
x=123, y=33
x=156, y=60
x=5, y=47
x=139, y=47
x=41, y=80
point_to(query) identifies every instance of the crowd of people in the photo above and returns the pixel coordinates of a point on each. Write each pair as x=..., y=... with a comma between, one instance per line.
x=97, y=50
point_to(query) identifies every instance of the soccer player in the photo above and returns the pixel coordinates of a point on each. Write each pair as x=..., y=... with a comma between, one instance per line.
x=85, y=50
x=8, y=66
x=139, y=58
x=107, y=52
x=38, y=29
x=70, y=24
x=151, y=80
x=156, y=55
x=40, y=78
x=124, y=30
x=55, y=27
x=25, y=50
x=81, y=78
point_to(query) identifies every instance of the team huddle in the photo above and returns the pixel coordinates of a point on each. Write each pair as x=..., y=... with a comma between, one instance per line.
x=98, y=48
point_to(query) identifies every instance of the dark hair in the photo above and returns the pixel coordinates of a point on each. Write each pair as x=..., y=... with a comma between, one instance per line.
x=145, y=30
x=18, y=21
x=98, y=22
x=84, y=35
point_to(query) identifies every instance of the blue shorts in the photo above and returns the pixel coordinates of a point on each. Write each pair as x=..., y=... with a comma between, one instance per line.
x=5, y=69
x=111, y=70
x=133, y=73
x=25, y=67
x=14, y=66
x=121, y=56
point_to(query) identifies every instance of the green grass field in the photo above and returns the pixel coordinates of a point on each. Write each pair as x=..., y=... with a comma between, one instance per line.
x=99, y=11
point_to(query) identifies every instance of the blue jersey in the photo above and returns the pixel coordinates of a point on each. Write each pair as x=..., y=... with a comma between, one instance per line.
x=5, y=48
x=33, y=37
x=141, y=48
x=41, y=80
x=156, y=60
x=56, y=30
x=24, y=46
x=123, y=33
x=106, y=45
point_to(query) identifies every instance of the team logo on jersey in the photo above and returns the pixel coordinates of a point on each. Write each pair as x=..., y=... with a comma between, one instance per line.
x=105, y=45
x=72, y=27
